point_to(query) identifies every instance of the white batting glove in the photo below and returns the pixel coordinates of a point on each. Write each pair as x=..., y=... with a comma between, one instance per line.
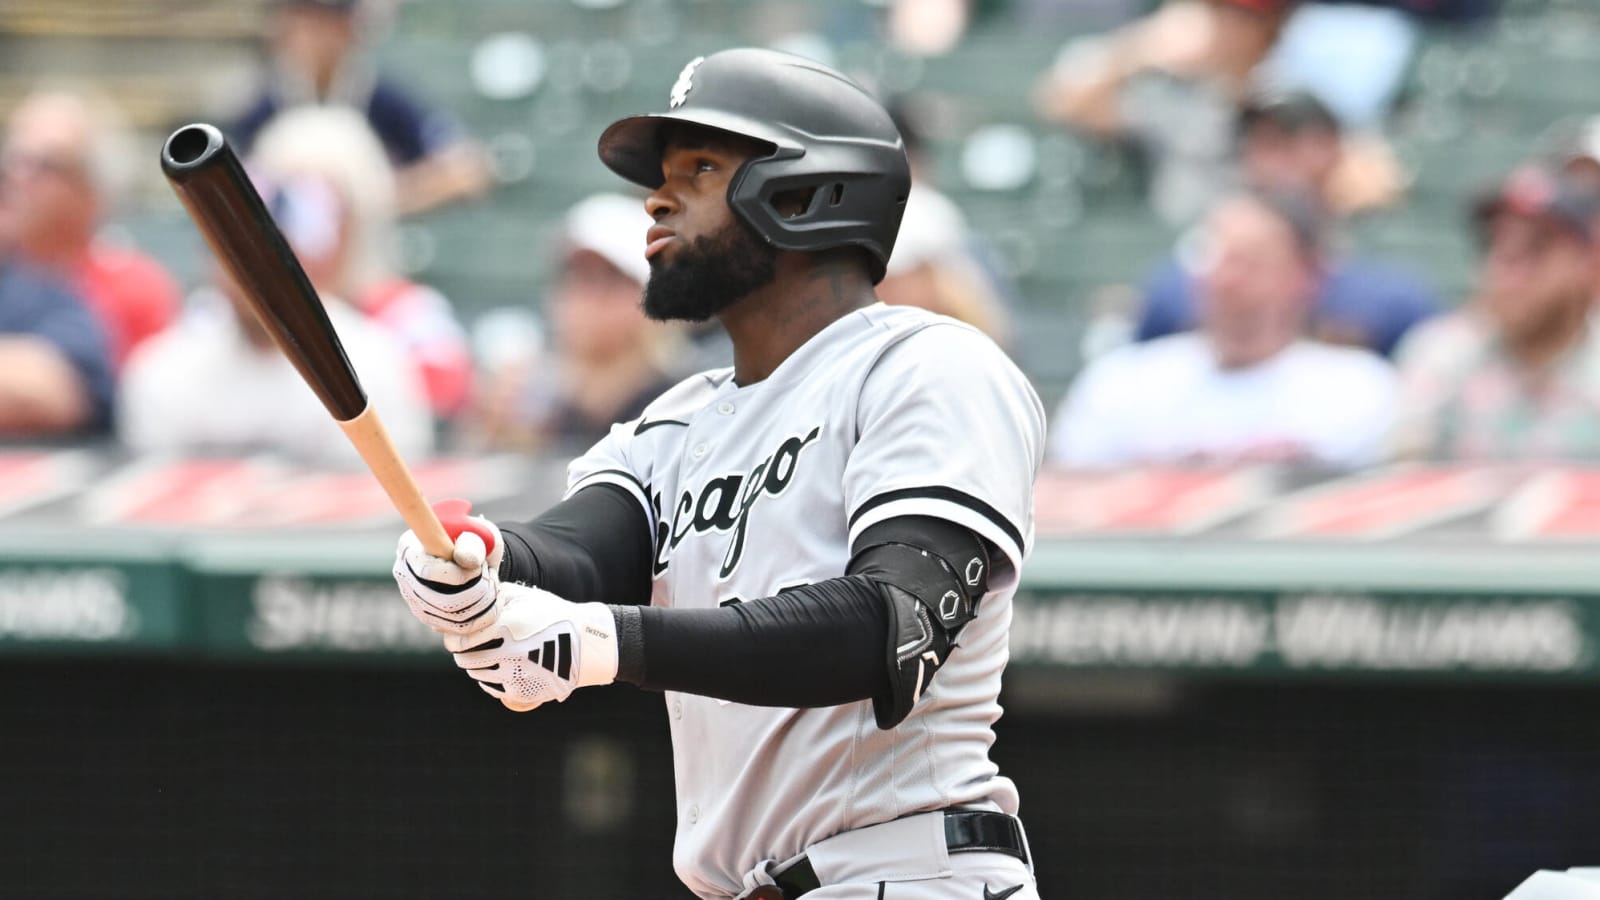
x=541, y=648
x=451, y=596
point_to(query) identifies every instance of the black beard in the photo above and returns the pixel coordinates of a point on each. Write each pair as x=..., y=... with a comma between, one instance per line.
x=709, y=275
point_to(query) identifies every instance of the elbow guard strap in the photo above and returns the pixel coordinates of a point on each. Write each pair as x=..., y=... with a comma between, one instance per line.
x=921, y=568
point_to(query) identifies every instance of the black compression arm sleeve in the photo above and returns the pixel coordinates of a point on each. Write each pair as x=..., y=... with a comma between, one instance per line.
x=818, y=645
x=594, y=545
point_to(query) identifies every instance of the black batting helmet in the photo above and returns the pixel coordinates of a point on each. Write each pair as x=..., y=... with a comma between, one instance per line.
x=827, y=135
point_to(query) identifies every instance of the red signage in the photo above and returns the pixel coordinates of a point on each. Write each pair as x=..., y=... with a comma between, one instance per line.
x=255, y=494
x=1384, y=504
x=1145, y=501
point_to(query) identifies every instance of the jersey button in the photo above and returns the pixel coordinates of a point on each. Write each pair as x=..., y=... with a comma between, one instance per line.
x=700, y=450
x=694, y=814
x=725, y=408
x=677, y=709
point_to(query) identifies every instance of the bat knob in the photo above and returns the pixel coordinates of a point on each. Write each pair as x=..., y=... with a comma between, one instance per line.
x=455, y=516
x=191, y=147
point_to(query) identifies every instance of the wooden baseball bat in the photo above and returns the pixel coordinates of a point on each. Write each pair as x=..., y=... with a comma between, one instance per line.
x=214, y=188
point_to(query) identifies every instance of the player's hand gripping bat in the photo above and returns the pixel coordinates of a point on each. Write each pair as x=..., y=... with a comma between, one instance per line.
x=219, y=196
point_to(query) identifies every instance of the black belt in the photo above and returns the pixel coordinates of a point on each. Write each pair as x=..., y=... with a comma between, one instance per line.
x=965, y=831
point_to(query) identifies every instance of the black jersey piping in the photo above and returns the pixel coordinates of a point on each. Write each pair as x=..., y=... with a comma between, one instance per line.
x=948, y=495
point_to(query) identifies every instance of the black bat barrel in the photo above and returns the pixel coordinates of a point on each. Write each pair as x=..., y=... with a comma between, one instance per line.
x=213, y=185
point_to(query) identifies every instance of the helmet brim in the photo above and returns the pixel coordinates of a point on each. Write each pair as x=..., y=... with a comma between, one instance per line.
x=631, y=147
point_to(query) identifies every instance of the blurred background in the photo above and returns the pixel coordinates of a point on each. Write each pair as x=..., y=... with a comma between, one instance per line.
x=1306, y=286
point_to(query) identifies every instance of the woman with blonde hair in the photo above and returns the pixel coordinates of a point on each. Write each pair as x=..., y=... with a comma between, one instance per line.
x=332, y=190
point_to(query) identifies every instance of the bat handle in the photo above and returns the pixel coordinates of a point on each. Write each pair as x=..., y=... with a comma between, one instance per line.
x=372, y=441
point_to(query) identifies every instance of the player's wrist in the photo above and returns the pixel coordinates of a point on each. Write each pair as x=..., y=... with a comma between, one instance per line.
x=597, y=638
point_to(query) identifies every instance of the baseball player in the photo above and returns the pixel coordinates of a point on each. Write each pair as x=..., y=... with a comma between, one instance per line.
x=811, y=554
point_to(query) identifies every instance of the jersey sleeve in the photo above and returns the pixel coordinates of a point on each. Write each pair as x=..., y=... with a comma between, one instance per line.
x=628, y=454
x=612, y=460
x=948, y=427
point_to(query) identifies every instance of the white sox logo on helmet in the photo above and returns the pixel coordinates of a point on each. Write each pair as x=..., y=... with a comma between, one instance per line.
x=684, y=84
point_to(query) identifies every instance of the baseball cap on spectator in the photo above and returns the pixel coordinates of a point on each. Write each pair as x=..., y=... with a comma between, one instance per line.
x=1588, y=146
x=613, y=227
x=1293, y=111
x=933, y=229
x=1577, y=153
x=1572, y=139
x=1536, y=191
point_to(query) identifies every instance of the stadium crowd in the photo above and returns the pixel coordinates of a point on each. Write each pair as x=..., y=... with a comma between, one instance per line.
x=1263, y=337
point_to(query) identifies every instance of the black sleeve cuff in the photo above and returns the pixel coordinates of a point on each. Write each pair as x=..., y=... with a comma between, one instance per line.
x=630, y=645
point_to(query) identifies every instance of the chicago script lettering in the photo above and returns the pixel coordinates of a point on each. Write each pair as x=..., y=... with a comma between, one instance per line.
x=723, y=504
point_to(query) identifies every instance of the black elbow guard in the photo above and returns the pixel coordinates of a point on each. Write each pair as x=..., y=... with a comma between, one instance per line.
x=931, y=575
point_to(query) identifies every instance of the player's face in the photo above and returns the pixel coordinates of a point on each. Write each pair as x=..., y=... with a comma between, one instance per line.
x=703, y=258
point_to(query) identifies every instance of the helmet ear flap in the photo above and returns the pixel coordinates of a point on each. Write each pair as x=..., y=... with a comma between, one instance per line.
x=843, y=207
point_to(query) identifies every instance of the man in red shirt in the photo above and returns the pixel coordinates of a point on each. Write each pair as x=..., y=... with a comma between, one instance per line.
x=60, y=167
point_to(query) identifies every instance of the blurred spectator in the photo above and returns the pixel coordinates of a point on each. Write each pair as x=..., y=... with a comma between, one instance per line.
x=215, y=382
x=318, y=57
x=938, y=263
x=1248, y=387
x=55, y=367
x=1355, y=57
x=1292, y=142
x=1170, y=84
x=332, y=193
x=1516, y=374
x=63, y=165
x=932, y=268
x=927, y=27
x=1574, y=147
x=608, y=361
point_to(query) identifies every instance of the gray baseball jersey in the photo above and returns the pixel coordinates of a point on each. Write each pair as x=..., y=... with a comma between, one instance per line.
x=889, y=411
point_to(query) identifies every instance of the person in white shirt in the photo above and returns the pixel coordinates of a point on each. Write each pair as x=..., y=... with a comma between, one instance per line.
x=1247, y=386
x=214, y=383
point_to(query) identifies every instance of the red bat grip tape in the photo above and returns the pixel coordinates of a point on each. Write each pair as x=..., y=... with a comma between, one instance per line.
x=454, y=516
